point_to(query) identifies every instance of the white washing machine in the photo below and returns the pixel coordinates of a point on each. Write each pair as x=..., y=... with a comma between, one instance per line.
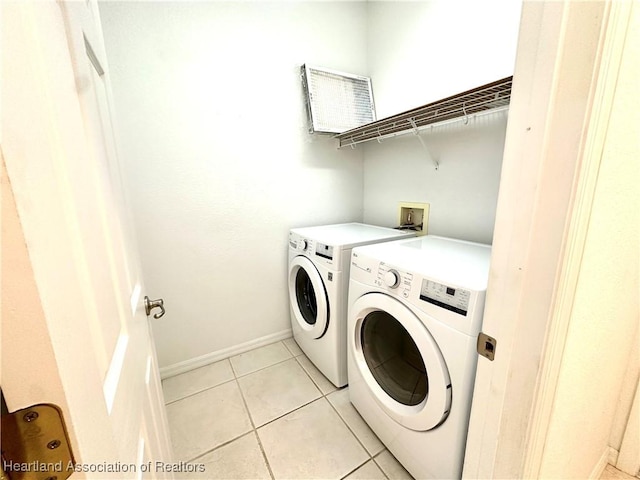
x=318, y=283
x=415, y=312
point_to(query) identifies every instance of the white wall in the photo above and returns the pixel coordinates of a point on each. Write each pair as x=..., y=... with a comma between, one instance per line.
x=419, y=52
x=217, y=159
x=462, y=193
x=219, y=165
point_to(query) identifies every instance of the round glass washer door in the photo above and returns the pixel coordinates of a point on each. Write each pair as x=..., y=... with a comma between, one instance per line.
x=400, y=362
x=308, y=297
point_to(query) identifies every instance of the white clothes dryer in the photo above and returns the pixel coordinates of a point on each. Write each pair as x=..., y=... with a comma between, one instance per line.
x=415, y=311
x=319, y=259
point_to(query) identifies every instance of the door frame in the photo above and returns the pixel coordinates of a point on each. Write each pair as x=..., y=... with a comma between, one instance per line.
x=568, y=55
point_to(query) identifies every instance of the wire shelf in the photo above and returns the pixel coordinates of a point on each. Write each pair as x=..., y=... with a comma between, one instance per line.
x=485, y=99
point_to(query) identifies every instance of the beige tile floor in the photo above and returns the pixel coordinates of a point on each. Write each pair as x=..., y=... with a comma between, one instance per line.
x=270, y=414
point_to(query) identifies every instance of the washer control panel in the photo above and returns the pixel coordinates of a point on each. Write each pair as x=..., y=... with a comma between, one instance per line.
x=453, y=299
x=300, y=244
x=326, y=254
x=324, y=251
x=395, y=279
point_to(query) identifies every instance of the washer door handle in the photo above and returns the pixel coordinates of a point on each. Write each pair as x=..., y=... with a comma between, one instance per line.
x=151, y=304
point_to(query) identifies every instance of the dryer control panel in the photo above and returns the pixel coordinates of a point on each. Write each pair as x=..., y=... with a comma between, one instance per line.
x=422, y=281
x=389, y=277
x=453, y=299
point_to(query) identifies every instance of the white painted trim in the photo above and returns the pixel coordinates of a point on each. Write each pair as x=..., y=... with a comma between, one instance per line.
x=611, y=46
x=599, y=467
x=629, y=459
x=208, y=358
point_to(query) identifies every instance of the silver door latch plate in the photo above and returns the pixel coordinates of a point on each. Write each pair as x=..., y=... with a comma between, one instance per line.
x=487, y=346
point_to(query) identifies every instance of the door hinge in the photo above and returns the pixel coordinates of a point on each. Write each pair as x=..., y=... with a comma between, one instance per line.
x=35, y=445
x=486, y=346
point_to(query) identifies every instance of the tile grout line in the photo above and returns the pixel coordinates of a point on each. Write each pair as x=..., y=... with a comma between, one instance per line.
x=199, y=392
x=254, y=429
x=233, y=370
x=264, y=454
x=262, y=368
x=371, y=456
x=235, y=375
x=315, y=384
x=292, y=353
x=217, y=447
x=380, y=466
x=325, y=396
x=253, y=426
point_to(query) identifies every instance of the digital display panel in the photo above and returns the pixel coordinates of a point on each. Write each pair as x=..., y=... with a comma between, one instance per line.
x=324, y=251
x=453, y=299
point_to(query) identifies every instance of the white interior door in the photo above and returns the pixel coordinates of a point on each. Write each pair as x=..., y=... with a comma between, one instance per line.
x=74, y=328
x=569, y=58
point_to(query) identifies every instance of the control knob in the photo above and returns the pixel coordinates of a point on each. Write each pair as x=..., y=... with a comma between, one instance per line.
x=392, y=279
x=302, y=244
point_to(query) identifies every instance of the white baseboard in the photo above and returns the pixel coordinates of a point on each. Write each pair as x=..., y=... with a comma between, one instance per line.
x=613, y=456
x=599, y=467
x=201, y=361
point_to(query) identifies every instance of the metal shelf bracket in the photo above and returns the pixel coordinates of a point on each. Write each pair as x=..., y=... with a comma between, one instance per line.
x=424, y=145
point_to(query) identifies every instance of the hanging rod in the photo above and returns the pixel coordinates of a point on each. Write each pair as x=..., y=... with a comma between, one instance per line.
x=488, y=98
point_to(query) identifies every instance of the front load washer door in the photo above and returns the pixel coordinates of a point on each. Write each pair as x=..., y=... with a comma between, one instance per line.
x=400, y=362
x=308, y=296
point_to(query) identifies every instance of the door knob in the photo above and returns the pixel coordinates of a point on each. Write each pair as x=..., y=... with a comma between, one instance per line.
x=151, y=304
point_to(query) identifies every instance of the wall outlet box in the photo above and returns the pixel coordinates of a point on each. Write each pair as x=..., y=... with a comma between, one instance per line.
x=414, y=217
